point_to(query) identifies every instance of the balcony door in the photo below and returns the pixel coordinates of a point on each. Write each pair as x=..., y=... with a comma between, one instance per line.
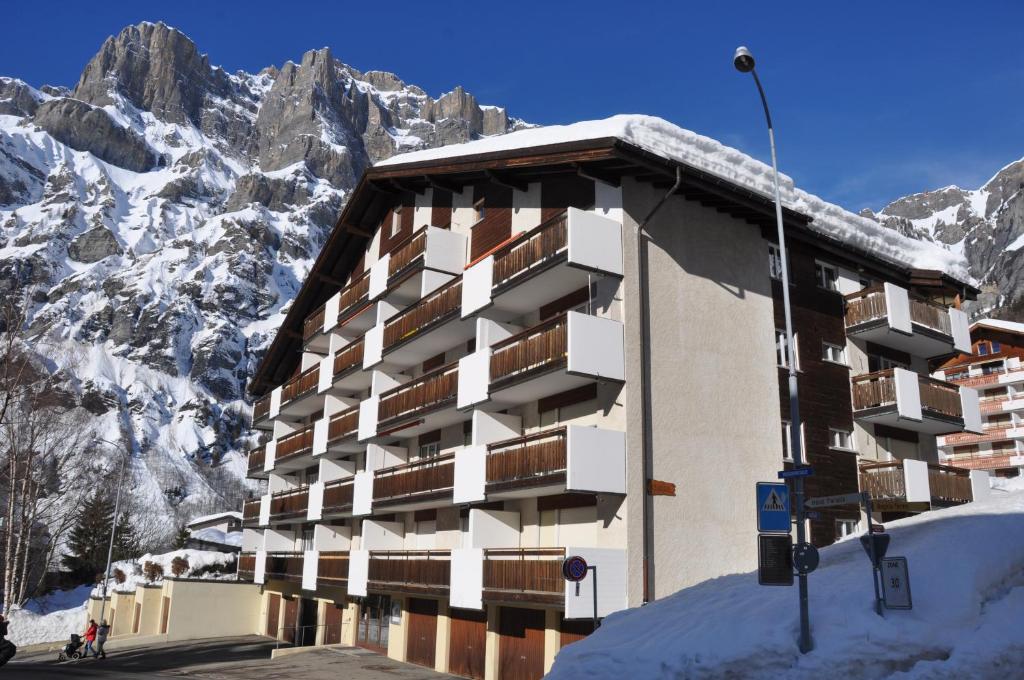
x=372, y=632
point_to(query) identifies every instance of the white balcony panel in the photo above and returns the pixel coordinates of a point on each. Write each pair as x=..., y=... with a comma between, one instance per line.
x=373, y=346
x=278, y=540
x=379, y=457
x=980, y=488
x=474, y=378
x=315, y=502
x=378, y=535
x=331, y=470
x=379, y=277
x=611, y=584
x=595, y=242
x=915, y=480
x=252, y=540
x=310, y=567
x=493, y=529
x=495, y=427
x=269, y=455
x=368, y=418
x=596, y=460
x=330, y=537
x=467, y=578
x=331, y=309
x=320, y=436
x=470, y=475
x=358, y=572
x=596, y=347
x=445, y=250
x=897, y=304
x=960, y=327
x=265, y=510
x=275, y=402
x=971, y=409
x=476, y=287
x=908, y=394
x=260, y=571
x=362, y=494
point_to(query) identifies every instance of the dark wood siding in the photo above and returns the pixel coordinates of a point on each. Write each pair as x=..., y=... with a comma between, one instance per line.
x=332, y=624
x=390, y=241
x=467, y=651
x=273, y=612
x=574, y=631
x=291, y=620
x=496, y=226
x=441, y=209
x=521, y=644
x=422, y=638
x=568, y=191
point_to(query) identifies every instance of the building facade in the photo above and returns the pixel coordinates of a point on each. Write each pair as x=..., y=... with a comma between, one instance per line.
x=994, y=368
x=505, y=357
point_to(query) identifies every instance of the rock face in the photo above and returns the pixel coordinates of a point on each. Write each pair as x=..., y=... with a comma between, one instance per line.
x=166, y=212
x=987, y=224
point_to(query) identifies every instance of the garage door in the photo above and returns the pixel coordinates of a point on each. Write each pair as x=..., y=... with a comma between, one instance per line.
x=521, y=644
x=273, y=611
x=291, y=620
x=332, y=624
x=422, y=640
x=467, y=652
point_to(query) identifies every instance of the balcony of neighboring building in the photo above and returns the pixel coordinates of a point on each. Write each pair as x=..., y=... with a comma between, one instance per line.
x=336, y=435
x=417, y=485
x=422, y=404
x=536, y=266
x=251, y=513
x=347, y=312
x=991, y=432
x=916, y=486
x=1004, y=456
x=261, y=413
x=246, y=566
x=416, y=572
x=256, y=460
x=342, y=369
x=986, y=372
x=291, y=451
x=891, y=316
x=900, y=398
x=285, y=506
x=284, y=566
x=430, y=257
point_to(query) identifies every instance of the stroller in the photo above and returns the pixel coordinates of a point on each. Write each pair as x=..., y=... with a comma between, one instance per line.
x=72, y=650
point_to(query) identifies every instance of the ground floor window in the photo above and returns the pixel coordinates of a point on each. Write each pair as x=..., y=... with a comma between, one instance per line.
x=846, y=527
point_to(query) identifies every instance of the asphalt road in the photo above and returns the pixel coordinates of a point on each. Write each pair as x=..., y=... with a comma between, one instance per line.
x=222, y=659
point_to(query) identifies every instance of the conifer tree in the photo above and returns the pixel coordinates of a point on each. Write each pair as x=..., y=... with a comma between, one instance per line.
x=181, y=537
x=89, y=539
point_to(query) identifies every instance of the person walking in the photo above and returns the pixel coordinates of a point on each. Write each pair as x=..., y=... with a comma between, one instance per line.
x=101, y=638
x=7, y=648
x=90, y=638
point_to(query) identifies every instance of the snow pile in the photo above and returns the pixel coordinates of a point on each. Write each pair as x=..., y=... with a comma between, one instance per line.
x=208, y=564
x=50, y=618
x=230, y=514
x=1001, y=324
x=214, y=535
x=967, y=581
x=670, y=141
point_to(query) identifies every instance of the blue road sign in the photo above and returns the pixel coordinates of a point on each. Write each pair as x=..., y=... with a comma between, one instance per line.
x=796, y=472
x=773, y=508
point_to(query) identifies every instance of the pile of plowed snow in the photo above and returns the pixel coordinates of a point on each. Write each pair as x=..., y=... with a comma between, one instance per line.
x=967, y=581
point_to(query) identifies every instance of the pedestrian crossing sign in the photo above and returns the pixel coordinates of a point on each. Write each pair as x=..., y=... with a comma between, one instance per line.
x=773, y=508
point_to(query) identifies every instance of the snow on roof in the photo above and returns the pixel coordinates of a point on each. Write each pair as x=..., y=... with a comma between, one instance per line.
x=675, y=143
x=1000, y=324
x=231, y=514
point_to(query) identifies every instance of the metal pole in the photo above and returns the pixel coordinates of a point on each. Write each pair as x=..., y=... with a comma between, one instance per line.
x=806, y=644
x=596, y=622
x=113, y=531
x=874, y=558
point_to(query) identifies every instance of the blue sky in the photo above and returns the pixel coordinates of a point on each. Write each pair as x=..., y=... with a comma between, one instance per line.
x=871, y=101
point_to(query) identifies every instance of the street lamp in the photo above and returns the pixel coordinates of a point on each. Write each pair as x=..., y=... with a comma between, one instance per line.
x=743, y=60
x=113, y=526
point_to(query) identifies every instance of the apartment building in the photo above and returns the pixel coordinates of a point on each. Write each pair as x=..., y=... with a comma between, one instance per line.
x=563, y=342
x=994, y=368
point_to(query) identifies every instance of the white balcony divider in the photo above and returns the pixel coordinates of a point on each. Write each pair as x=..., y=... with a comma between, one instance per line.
x=252, y=539
x=358, y=572
x=275, y=402
x=362, y=494
x=595, y=347
x=331, y=309
x=310, y=569
x=432, y=280
x=470, y=475
x=325, y=377
x=492, y=529
x=330, y=537
x=915, y=479
x=970, y=406
x=474, y=379
x=495, y=427
x=378, y=456
x=379, y=277
x=445, y=250
x=476, y=286
x=595, y=242
x=377, y=535
x=908, y=394
x=309, y=359
x=897, y=305
x=595, y=460
x=331, y=470
x=608, y=201
x=368, y=418
x=265, y=510
x=320, y=430
x=467, y=578
x=260, y=572
x=961, y=330
x=526, y=208
x=373, y=346
x=980, y=488
x=611, y=583
x=269, y=455
x=423, y=209
x=278, y=540
x=315, y=502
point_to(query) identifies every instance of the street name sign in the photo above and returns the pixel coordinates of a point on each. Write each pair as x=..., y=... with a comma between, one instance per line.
x=829, y=501
x=775, y=560
x=773, y=508
x=896, y=583
x=796, y=472
x=887, y=505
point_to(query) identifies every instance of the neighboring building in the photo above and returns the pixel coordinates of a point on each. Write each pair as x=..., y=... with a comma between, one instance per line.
x=221, y=531
x=487, y=370
x=994, y=368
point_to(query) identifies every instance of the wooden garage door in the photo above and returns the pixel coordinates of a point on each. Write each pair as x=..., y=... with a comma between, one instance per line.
x=291, y=619
x=467, y=651
x=574, y=630
x=521, y=644
x=332, y=624
x=273, y=611
x=422, y=640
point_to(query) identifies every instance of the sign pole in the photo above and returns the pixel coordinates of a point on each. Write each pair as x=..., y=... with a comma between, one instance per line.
x=874, y=556
x=593, y=568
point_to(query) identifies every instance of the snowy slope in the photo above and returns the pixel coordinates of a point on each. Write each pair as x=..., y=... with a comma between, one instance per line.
x=967, y=580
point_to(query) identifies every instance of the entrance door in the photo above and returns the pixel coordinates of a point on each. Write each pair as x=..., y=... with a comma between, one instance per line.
x=521, y=644
x=332, y=624
x=291, y=620
x=307, y=622
x=273, y=612
x=422, y=640
x=467, y=652
x=374, y=615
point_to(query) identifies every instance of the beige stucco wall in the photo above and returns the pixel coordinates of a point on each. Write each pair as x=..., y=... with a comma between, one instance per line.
x=202, y=609
x=122, y=607
x=714, y=389
x=151, y=599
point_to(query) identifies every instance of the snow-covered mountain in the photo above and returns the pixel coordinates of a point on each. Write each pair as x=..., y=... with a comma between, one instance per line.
x=164, y=213
x=986, y=225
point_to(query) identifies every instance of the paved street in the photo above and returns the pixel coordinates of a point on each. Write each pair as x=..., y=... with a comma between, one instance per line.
x=224, y=659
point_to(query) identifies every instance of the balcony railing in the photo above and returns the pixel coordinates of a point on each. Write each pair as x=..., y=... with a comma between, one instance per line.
x=257, y=457
x=300, y=385
x=994, y=434
x=407, y=254
x=343, y=425
x=534, y=248
x=246, y=566
x=337, y=496
x=261, y=408
x=869, y=305
x=314, y=323
x=332, y=568
x=949, y=484
x=536, y=349
x=290, y=504
x=251, y=512
x=993, y=404
x=874, y=390
x=435, y=308
x=883, y=480
x=348, y=358
x=995, y=461
x=537, y=455
x=429, y=391
x=518, y=572
x=410, y=569
x=284, y=566
x=295, y=444
x=946, y=484
x=433, y=475
x=353, y=296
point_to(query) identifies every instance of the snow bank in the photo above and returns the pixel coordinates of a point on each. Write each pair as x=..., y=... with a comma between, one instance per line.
x=51, y=618
x=214, y=535
x=199, y=561
x=967, y=581
x=230, y=514
x=671, y=141
x=1001, y=324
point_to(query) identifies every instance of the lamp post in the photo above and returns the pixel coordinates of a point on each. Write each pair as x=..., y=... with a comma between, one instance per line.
x=113, y=528
x=743, y=60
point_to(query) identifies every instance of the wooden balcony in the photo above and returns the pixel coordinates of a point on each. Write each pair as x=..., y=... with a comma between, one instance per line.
x=527, y=461
x=891, y=316
x=541, y=348
x=289, y=505
x=420, y=318
x=301, y=386
x=338, y=497
x=261, y=411
x=429, y=392
x=251, y=513
x=257, y=458
x=996, y=433
x=348, y=358
x=996, y=461
x=284, y=566
x=342, y=429
x=332, y=568
x=876, y=398
x=292, y=448
x=944, y=485
x=350, y=302
x=415, y=483
x=530, y=252
x=524, y=575
x=314, y=323
x=411, y=571
x=246, y=566
x=353, y=298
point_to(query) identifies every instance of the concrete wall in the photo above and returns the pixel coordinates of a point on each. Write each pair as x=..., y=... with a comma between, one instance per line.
x=122, y=606
x=151, y=599
x=204, y=609
x=713, y=388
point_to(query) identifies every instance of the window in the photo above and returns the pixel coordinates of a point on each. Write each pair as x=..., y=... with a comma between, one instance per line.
x=827, y=276
x=479, y=210
x=396, y=222
x=834, y=353
x=429, y=450
x=982, y=348
x=992, y=367
x=775, y=264
x=996, y=348
x=846, y=527
x=306, y=540
x=787, y=442
x=782, y=349
x=840, y=439
x=877, y=362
